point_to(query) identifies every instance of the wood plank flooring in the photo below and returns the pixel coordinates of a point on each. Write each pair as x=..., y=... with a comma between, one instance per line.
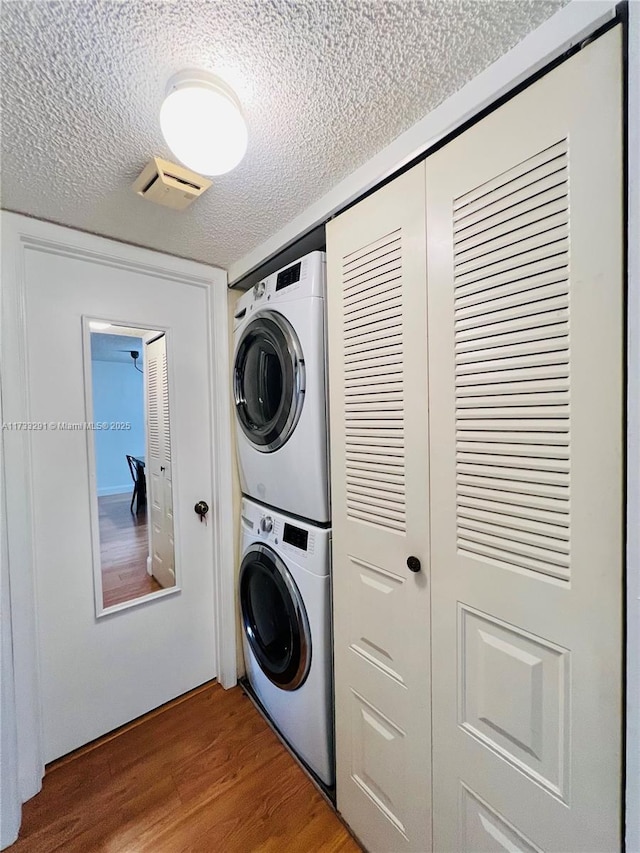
x=203, y=775
x=124, y=548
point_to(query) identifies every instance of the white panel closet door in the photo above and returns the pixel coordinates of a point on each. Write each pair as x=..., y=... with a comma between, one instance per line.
x=524, y=262
x=159, y=481
x=379, y=443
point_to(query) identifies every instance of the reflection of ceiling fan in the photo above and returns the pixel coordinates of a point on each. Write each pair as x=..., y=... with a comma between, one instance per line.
x=135, y=355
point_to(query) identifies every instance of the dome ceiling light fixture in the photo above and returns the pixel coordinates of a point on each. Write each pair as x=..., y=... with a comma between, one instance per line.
x=202, y=123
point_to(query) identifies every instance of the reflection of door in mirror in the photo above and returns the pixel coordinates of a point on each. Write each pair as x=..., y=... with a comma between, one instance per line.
x=129, y=394
x=159, y=482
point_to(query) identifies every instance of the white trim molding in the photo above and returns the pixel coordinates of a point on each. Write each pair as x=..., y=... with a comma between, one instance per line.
x=19, y=234
x=19, y=514
x=222, y=476
x=633, y=434
x=568, y=27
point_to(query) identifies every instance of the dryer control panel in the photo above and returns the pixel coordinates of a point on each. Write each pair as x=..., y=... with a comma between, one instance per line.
x=299, y=280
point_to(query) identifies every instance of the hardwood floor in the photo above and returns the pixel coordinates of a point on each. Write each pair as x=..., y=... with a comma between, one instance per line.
x=123, y=550
x=203, y=775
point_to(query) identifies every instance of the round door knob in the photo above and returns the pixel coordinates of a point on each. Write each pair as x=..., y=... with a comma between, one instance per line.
x=201, y=509
x=413, y=564
x=266, y=524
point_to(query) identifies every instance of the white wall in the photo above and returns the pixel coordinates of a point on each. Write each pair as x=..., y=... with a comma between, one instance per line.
x=118, y=398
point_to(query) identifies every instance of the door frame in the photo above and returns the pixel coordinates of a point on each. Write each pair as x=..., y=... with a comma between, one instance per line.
x=632, y=782
x=19, y=235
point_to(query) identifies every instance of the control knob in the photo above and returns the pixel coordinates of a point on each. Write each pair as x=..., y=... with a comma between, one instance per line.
x=259, y=289
x=266, y=524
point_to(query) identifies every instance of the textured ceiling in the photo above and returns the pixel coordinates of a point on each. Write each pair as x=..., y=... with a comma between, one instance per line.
x=325, y=84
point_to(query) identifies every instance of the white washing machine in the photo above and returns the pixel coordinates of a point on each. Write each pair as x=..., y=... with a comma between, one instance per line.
x=286, y=619
x=280, y=390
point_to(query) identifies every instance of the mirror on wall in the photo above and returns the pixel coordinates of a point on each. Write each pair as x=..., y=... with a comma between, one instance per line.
x=130, y=463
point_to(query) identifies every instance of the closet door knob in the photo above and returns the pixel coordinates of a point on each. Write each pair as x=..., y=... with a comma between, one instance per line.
x=413, y=564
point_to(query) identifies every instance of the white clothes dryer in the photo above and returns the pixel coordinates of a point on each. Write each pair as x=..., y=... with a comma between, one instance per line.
x=286, y=620
x=279, y=383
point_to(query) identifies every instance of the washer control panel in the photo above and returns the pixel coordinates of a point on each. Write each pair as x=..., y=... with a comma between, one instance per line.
x=284, y=533
x=295, y=540
x=266, y=524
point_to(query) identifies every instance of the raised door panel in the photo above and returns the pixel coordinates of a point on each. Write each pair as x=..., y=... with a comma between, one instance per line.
x=379, y=479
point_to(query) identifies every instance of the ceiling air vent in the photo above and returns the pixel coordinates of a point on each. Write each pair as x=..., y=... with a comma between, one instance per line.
x=170, y=185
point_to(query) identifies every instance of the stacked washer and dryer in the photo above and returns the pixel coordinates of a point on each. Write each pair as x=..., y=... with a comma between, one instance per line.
x=279, y=384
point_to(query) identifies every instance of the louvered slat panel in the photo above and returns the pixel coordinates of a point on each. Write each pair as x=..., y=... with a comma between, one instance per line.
x=537, y=529
x=363, y=448
x=165, y=407
x=519, y=297
x=553, y=350
x=495, y=502
x=376, y=465
x=479, y=234
x=515, y=492
x=556, y=391
x=515, y=438
x=360, y=483
x=377, y=367
x=354, y=258
x=489, y=259
x=545, y=451
x=529, y=227
x=511, y=245
x=557, y=426
x=532, y=264
x=357, y=417
x=360, y=383
x=552, y=369
x=550, y=160
x=369, y=289
x=373, y=383
x=374, y=353
x=374, y=338
x=379, y=303
x=390, y=389
x=154, y=413
x=510, y=325
x=389, y=404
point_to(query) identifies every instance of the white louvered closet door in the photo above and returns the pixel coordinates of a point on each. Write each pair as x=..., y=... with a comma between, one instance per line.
x=158, y=464
x=524, y=262
x=379, y=443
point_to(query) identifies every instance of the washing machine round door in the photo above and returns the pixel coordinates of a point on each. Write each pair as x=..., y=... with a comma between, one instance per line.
x=274, y=618
x=268, y=381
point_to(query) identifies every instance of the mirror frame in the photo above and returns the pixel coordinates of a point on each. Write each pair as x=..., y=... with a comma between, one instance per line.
x=100, y=610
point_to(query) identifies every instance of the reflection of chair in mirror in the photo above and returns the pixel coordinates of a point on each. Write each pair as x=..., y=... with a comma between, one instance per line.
x=139, y=484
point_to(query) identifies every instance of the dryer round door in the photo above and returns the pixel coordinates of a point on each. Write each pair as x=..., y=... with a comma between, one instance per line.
x=274, y=618
x=268, y=381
